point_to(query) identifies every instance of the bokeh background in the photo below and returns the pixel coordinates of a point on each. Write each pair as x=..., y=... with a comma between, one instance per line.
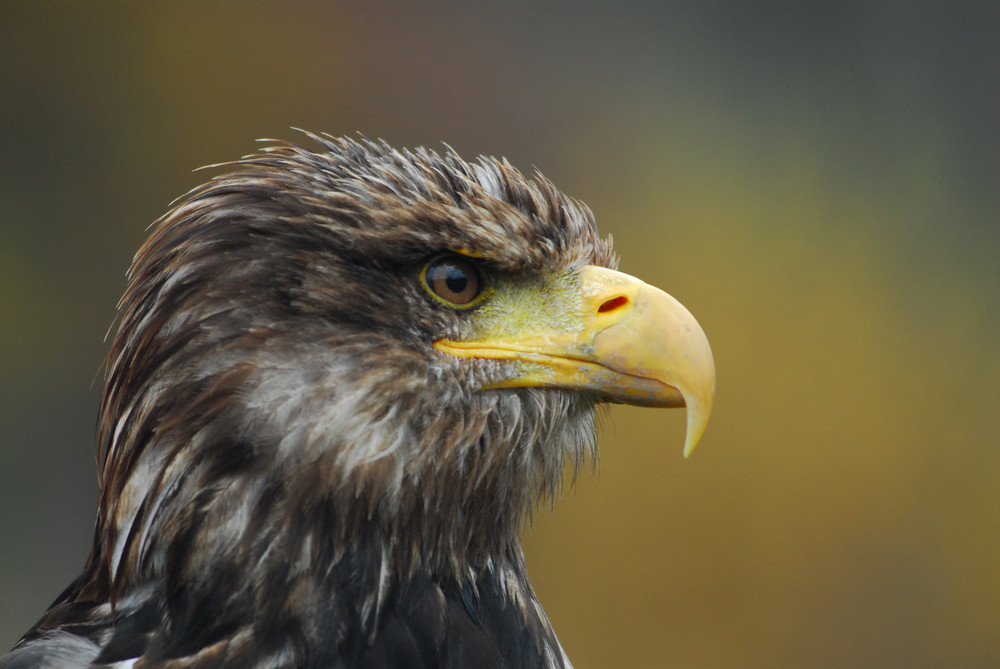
x=817, y=181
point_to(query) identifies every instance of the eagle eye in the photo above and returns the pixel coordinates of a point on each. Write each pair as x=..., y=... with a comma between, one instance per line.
x=454, y=280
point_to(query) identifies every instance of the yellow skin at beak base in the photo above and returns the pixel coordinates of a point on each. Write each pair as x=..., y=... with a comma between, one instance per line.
x=626, y=340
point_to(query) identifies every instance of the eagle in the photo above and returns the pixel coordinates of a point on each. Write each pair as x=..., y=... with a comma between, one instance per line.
x=342, y=379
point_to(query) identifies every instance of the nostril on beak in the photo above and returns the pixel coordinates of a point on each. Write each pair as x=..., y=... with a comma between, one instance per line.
x=613, y=304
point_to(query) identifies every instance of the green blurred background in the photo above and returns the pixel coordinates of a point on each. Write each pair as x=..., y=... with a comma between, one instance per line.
x=817, y=182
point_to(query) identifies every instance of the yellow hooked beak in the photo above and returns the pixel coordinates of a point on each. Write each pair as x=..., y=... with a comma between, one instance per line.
x=611, y=334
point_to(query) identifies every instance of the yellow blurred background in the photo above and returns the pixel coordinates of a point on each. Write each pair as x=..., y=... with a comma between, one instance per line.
x=818, y=182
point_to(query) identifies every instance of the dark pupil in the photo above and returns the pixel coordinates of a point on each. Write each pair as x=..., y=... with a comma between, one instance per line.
x=456, y=280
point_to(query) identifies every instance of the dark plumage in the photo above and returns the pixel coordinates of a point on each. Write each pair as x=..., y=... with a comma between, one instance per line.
x=295, y=469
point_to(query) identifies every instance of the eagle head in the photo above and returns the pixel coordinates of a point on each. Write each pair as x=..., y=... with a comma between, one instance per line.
x=341, y=380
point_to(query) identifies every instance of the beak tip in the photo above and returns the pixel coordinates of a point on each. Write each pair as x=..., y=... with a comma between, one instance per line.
x=698, y=411
x=689, y=445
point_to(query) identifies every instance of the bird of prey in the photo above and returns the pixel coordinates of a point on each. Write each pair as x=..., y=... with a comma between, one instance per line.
x=342, y=378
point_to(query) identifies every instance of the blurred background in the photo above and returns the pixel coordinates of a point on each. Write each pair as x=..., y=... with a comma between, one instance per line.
x=819, y=182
